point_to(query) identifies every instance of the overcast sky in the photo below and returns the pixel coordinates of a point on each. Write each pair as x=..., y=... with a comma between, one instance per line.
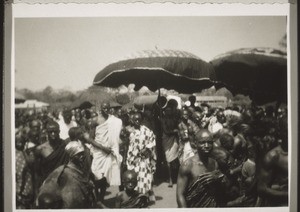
x=68, y=52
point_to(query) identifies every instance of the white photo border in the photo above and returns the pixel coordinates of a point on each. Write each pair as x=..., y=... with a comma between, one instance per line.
x=111, y=9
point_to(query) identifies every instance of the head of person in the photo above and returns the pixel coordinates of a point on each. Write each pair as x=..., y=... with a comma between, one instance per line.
x=221, y=117
x=197, y=118
x=204, y=142
x=55, y=114
x=35, y=127
x=112, y=111
x=105, y=108
x=192, y=100
x=67, y=115
x=19, y=142
x=53, y=131
x=137, y=120
x=75, y=151
x=184, y=115
x=83, y=113
x=234, y=124
x=78, y=116
x=75, y=133
x=119, y=113
x=205, y=108
x=129, y=180
x=227, y=141
x=172, y=103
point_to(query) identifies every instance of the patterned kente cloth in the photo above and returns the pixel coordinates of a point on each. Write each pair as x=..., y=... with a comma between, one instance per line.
x=204, y=191
x=138, y=201
x=143, y=166
x=24, y=184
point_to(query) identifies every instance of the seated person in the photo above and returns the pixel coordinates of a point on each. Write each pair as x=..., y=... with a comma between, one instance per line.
x=129, y=198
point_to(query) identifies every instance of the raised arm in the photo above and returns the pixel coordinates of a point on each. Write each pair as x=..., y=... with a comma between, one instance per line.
x=95, y=144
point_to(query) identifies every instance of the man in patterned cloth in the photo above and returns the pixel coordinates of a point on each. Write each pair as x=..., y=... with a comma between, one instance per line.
x=199, y=183
x=141, y=156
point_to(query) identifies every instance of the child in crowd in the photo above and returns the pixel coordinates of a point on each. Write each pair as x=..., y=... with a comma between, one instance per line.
x=130, y=198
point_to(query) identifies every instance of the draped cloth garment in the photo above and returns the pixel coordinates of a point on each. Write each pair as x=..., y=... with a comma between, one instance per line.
x=71, y=185
x=57, y=158
x=143, y=166
x=203, y=192
x=108, y=165
x=138, y=201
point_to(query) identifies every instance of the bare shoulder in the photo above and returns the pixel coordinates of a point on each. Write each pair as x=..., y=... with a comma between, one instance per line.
x=41, y=146
x=272, y=156
x=186, y=166
x=120, y=194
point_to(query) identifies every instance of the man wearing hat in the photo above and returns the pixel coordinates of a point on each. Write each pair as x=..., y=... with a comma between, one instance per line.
x=69, y=183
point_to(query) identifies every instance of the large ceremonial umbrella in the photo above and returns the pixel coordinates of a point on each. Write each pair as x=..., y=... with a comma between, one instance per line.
x=260, y=73
x=178, y=70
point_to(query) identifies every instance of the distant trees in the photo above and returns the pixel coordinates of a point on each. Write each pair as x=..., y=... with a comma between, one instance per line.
x=283, y=43
x=51, y=96
x=97, y=94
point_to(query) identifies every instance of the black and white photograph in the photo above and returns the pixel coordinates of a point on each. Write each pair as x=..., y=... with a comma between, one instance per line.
x=127, y=106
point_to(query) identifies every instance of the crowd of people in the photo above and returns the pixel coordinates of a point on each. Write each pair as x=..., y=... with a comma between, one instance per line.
x=218, y=157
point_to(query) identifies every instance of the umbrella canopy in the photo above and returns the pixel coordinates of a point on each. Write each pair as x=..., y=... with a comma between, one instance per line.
x=260, y=73
x=178, y=70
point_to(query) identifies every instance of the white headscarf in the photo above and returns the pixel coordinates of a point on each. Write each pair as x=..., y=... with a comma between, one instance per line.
x=73, y=148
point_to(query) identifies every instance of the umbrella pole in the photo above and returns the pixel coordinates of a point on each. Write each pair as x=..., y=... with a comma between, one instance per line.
x=160, y=110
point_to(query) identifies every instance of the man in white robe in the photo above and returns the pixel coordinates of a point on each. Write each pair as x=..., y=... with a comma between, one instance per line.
x=106, y=158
